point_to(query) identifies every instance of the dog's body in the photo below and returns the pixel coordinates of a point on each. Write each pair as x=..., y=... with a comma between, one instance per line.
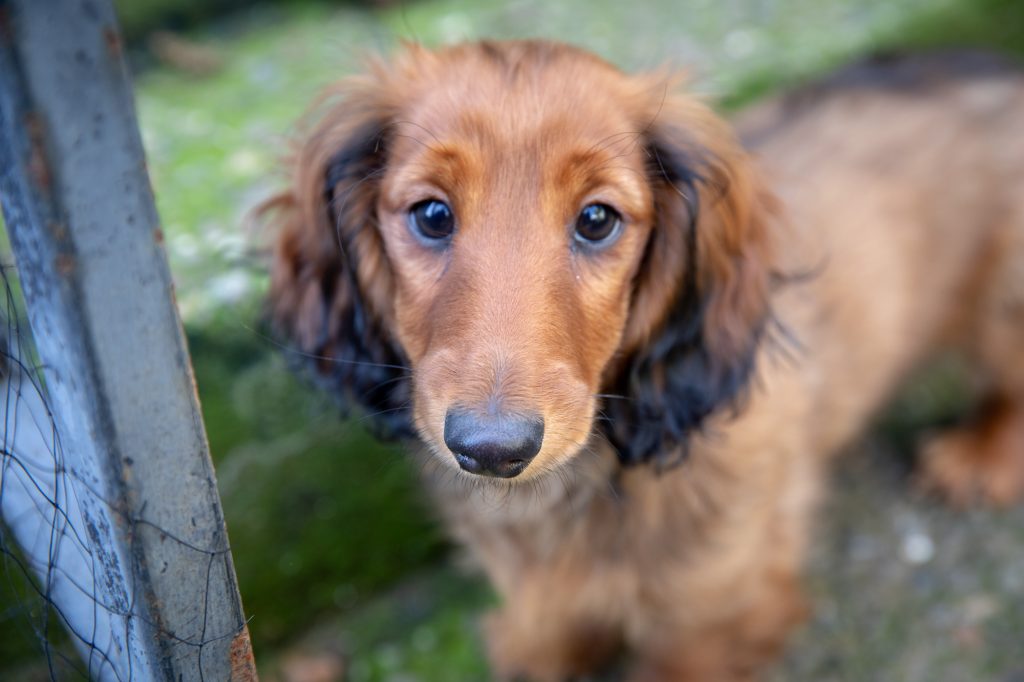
x=879, y=218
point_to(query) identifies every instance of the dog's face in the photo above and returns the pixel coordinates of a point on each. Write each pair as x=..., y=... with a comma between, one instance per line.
x=517, y=225
x=515, y=221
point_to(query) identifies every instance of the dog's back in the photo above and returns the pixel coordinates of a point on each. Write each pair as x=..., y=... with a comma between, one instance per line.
x=903, y=179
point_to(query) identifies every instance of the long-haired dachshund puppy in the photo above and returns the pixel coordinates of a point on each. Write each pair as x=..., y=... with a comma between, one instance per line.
x=627, y=343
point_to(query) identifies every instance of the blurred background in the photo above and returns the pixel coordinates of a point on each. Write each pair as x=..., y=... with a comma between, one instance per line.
x=343, y=571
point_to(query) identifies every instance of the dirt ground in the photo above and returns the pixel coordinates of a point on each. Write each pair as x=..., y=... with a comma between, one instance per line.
x=907, y=589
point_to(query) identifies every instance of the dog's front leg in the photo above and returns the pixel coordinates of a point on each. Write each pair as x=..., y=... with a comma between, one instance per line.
x=546, y=631
x=736, y=649
x=721, y=608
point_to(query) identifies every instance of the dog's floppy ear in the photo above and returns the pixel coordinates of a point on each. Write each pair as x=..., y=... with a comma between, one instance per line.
x=701, y=299
x=331, y=285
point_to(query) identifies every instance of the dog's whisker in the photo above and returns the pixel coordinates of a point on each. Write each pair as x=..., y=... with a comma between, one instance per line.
x=372, y=415
x=292, y=350
x=388, y=382
x=336, y=207
x=608, y=141
x=404, y=121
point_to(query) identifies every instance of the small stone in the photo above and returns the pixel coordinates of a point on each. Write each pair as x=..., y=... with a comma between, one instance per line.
x=968, y=637
x=979, y=608
x=918, y=548
x=313, y=667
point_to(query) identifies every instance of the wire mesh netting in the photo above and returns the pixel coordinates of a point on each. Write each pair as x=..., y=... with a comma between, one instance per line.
x=48, y=554
x=69, y=588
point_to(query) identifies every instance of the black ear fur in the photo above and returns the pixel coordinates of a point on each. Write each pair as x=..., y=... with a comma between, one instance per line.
x=675, y=381
x=350, y=350
x=368, y=367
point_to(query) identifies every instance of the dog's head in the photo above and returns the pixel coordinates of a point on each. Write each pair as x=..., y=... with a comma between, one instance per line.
x=505, y=248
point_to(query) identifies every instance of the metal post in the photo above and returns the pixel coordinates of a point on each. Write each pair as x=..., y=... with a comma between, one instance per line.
x=132, y=450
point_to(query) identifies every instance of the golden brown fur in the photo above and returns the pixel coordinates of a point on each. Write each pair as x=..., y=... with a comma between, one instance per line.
x=758, y=306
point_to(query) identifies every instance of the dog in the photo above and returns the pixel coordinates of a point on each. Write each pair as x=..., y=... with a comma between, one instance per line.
x=625, y=339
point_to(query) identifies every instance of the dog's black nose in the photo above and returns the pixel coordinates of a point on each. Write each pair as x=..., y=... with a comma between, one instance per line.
x=500, y=445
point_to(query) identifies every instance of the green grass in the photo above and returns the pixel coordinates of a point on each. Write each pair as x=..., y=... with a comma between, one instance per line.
x=990, y=24
x=320, y=514
x=424, y=630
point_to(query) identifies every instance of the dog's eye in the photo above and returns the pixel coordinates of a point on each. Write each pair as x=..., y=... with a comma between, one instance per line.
x=432, y=219
x=597, y=224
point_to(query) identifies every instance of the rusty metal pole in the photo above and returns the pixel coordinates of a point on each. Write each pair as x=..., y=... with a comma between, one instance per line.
x=162, y=603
